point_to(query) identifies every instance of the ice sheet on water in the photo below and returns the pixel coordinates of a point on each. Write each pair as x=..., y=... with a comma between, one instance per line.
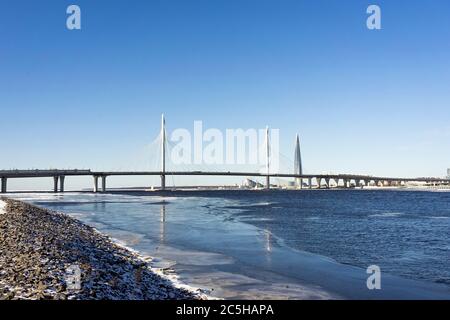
x=386, y=214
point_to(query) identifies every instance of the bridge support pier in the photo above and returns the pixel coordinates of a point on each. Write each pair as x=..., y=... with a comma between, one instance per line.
x=267, y=182
x=346, y=183
x=298, y=183
x=95, y=184
x=309, y=183
x=103, y=183
x=55, y=184
x=61, y=183
x=4, y=184
x=327, y=181
x=319, y=182
x=163, y=182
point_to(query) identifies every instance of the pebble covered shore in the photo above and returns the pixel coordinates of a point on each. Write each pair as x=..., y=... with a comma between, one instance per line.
x=38, y=249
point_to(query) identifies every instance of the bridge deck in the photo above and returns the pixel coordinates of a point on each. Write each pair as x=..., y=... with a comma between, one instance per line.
x=56, y=173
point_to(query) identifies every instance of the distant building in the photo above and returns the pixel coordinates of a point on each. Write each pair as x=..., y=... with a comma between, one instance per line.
x=248, y=183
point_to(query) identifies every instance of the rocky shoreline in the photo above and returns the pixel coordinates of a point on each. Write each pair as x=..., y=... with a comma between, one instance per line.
x=49, y=255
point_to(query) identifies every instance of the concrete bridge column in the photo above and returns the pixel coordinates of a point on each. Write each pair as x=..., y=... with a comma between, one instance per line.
x=336, y=180
x=95, y=184
x=61, y=183
x=327, y=181
x=4, y=184
x=267, y=182
x=55, y=184
x=309, y=183
x=103, y=183
x=319, y=182
x=163, y=182
x=346, y=183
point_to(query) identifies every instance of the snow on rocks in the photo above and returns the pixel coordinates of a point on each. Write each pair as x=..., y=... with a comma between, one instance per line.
x=48, y=255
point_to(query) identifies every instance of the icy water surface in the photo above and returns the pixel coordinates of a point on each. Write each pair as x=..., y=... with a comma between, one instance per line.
x=281, y=244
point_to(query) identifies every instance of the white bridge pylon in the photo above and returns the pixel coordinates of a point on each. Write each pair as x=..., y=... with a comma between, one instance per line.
x=163, y=153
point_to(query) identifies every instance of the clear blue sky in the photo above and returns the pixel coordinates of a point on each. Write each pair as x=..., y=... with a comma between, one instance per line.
x=375, y=102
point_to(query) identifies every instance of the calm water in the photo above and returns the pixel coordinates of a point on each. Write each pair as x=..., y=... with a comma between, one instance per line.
x=282, y=244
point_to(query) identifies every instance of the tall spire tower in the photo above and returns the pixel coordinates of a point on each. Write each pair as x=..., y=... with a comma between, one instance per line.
x=298, y=162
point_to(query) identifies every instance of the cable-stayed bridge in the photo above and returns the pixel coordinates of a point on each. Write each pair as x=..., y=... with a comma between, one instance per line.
x=300, y=179
x=321, y=180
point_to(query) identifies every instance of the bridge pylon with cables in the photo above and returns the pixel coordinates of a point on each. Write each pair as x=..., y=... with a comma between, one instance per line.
x=163, y=153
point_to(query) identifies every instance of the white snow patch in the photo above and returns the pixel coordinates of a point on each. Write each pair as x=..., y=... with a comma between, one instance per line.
x=172, y=277
x=2, y=207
